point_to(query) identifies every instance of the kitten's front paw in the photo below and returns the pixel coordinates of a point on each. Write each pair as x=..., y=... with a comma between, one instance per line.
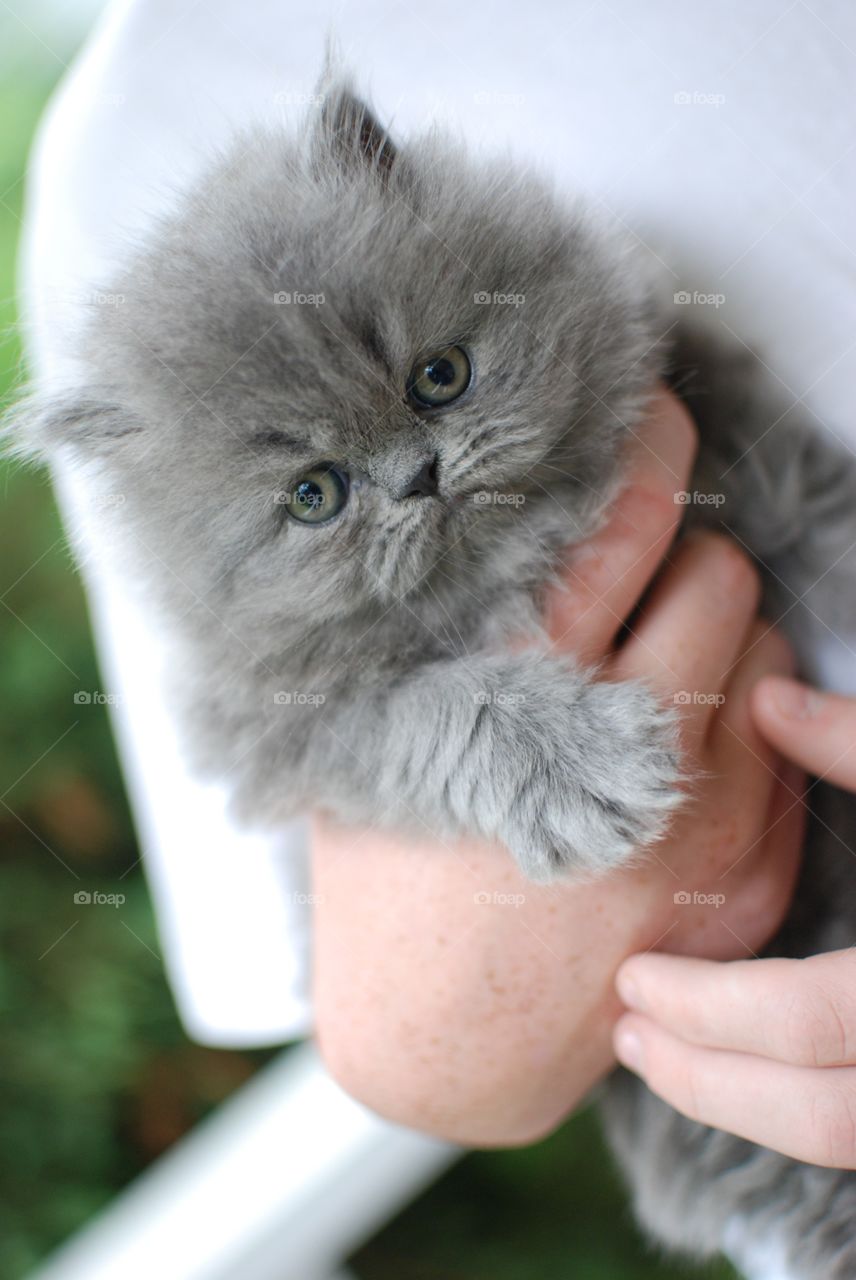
x=602, y=792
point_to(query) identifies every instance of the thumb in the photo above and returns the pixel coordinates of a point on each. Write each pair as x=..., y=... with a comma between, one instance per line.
x=815, y=730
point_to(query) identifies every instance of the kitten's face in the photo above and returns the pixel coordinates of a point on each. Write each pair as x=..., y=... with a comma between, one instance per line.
x=343, y=368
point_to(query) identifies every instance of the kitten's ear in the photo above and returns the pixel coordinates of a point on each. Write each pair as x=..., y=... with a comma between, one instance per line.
x=348, y=133
x=40, y=424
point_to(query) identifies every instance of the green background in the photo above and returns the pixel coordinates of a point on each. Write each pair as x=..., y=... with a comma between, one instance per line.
x=96, y=1075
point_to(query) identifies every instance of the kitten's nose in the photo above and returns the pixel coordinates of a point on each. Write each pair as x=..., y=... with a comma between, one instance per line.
x=424, y=483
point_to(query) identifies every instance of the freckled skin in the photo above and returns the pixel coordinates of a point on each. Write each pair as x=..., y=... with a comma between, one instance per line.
x=520, y=993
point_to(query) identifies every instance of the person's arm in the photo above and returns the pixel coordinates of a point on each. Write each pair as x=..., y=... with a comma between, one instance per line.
x=763, y=1048
x=453, y=995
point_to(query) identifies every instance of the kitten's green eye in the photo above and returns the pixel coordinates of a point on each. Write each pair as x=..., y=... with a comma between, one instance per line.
x=441, y=378
x=319, y=495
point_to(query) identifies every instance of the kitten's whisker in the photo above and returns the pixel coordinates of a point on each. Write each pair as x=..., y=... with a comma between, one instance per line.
x=457, y=630
x=457, y=583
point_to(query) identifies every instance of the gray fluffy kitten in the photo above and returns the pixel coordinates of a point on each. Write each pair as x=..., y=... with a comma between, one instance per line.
x=347, y=480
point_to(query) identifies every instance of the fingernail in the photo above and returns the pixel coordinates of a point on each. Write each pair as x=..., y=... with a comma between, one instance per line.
x=795, y=701
x=630, y=993
x=628, y=1050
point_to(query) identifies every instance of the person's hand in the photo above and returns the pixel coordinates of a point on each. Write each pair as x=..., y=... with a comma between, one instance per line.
x=455, y=996
x=763, y=1048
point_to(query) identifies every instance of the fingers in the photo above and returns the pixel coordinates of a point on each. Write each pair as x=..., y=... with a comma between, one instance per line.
x=816, y=730
x=734, y=729
x=607, y=575
x=754, y=796
x=800, y=1012
x=694, y=626
x=802, y=1112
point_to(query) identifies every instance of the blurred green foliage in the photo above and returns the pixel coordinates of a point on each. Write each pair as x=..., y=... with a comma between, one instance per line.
x=96, y=1075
